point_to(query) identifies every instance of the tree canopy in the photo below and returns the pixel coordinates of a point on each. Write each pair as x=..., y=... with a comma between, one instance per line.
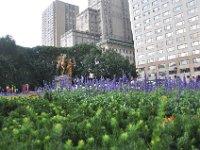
x=20, y=65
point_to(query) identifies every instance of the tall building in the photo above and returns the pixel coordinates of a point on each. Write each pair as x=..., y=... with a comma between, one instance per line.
x=57, y=19
x=87, y=29
x=166, y=34
x=88, y=21
x=114, y=19
x=94, y=4
x=115, y=27
x=74, y=37
x=106, y=22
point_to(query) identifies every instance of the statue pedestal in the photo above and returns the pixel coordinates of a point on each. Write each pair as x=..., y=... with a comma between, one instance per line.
x=62, y=81
x=61, y=77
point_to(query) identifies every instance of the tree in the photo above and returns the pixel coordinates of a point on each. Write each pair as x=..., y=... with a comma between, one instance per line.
x=84, y=55
x=43, y=62
x=113, y=64
x=89, y=62
x=7, y=45
x=20, y=65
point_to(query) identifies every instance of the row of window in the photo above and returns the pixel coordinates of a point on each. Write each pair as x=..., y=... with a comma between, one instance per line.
x=174, y=64
x=130, y=58
x=179, y=31
x=147, y=5
x=180, y=23
x=171, y=64
x=183, y=54
x=172, y=72
x=168, y=35
x=181, y=15
x=146, y=13
x=156, y=9
x=156, y=1
x=123, y=51
x=169, y=42
x=169, y=27
x=184, y=70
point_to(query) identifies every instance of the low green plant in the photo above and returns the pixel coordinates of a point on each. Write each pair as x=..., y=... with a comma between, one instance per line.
x=112, y=120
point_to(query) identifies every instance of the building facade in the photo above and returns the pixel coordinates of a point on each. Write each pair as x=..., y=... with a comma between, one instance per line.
x=86, y=32
x=94, y=4
x=106, y=22
x=115, y=20
x=87, y=21
x=74, y=37
x=166, y=34
x=126, y=49
x=57, y=19
x=114, y=26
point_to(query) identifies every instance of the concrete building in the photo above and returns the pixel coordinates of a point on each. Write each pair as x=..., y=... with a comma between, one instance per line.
x=57, y=19
x=115, y=20
x=109, y=21
x=73, y=37
x=115, y=26
x=126, y=49
x=167, y=36
x=94, y=4
x=88, y=21
x=87, y=30
x=106, y=23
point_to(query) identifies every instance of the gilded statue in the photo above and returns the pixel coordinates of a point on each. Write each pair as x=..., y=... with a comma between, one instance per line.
x=65, y=65
x=62, y=64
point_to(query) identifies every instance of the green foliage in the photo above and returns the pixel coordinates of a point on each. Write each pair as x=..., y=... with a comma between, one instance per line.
x=85, y=56
x=19, y=65
x=114, y=120
x=111, y=63
x=7, y=45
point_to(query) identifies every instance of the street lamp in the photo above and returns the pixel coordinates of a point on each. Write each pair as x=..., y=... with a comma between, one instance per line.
x=175, y=70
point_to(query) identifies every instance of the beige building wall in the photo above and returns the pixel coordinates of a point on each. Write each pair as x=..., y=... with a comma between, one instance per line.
x=106, y=23
x=115, y=26
x=73, y=37
x=115, y=20
x=57, y=19
x=88, y=21
x=124, y=48
x=48, y=26
x=94, y=4
x=167, y=36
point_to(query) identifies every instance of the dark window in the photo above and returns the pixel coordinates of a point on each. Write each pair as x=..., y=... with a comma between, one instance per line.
x=173, y=72
x=196, y=68
x=185, y=70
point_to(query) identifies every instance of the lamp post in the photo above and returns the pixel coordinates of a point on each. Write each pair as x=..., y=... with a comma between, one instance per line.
x=175, y=70
x=91, y=75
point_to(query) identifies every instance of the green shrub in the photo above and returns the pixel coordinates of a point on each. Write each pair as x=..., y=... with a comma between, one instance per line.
x=113, y=120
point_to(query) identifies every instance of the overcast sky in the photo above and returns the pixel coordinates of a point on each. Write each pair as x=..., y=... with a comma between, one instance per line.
x=22, y=19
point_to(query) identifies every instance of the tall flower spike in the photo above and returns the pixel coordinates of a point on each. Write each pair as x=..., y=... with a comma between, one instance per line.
x=145, y=82
x=184, y=81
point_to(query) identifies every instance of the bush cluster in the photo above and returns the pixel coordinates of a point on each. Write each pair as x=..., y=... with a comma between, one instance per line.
x=113, y=120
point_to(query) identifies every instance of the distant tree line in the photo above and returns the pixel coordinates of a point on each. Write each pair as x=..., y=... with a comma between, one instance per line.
x=21, y=65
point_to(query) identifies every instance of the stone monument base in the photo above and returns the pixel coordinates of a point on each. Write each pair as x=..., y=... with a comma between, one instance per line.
x=62, y=81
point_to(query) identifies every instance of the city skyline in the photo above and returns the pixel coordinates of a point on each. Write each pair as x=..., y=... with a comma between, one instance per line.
x=106, y=23
x=22, y=19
